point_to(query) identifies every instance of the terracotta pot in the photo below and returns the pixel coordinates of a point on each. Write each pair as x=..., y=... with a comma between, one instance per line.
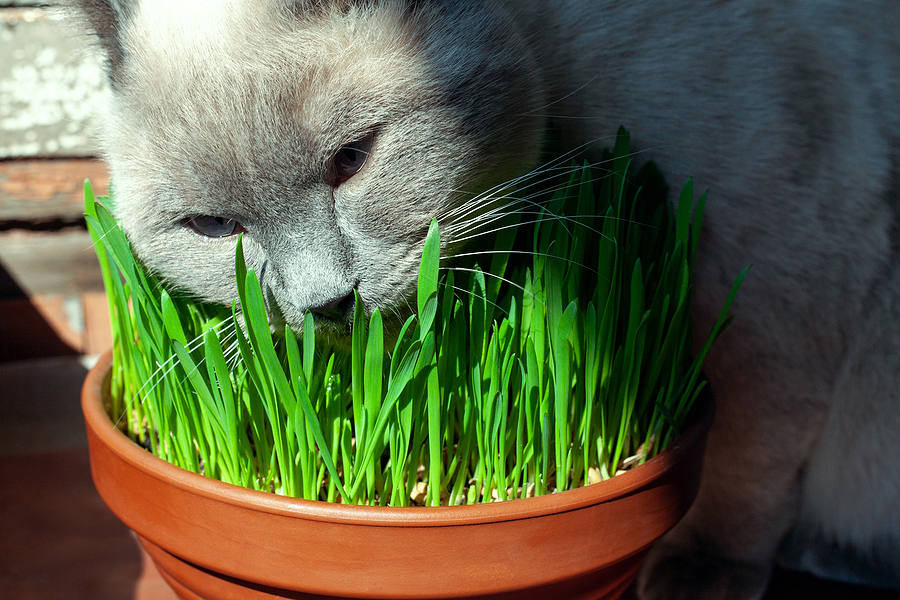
x=214, y=540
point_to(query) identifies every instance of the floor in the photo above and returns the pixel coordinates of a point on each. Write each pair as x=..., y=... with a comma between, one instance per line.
x=57, y=538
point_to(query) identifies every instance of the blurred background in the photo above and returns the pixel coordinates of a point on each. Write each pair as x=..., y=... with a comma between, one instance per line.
x=57, y=538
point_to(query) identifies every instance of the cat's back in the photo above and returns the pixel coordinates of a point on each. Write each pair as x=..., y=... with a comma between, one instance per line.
x=632, y=58
x=797, y=97
x=789, y=113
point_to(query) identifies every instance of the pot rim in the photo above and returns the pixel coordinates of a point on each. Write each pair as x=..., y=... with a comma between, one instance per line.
x=383, y=516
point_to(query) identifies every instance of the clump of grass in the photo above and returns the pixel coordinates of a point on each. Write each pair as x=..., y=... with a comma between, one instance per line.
x=529, y=378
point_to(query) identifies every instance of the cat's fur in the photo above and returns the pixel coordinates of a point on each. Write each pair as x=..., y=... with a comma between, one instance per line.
x=787, y=111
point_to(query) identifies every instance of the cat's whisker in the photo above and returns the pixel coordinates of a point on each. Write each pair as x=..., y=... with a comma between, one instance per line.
x=99, y=240
x=153, y=380
x=470, y=223
x=234, y=359
x=473, y=294
x=163, y=369
x=496, y=212
x=474, y=231
x=573, y=117
x=529, y=253
x=518, y=224
x=495, y=276
x=513, y=183
x=583, y=86
x=488, y=196
x=462, y=228
x=481, y=204
x=409, y=306
x=554, y=164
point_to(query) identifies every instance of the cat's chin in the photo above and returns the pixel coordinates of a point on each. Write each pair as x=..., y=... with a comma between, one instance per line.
x=328, y=331
x=332, y=332
x=339, y=334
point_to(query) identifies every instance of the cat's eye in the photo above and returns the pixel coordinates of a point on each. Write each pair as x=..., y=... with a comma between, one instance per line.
x=214, y=227
x=351, y=158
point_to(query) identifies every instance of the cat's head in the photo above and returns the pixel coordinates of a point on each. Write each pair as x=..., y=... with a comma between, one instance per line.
x=328, y=132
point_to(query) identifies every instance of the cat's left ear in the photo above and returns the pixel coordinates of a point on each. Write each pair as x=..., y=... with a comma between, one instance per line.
x=107, y=18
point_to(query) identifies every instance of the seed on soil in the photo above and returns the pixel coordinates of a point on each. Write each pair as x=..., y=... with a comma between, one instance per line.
x=419, y=493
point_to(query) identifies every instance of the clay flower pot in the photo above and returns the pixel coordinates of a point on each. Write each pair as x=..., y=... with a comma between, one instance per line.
x=214, y=540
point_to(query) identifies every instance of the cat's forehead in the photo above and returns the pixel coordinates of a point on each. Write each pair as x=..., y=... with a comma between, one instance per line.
x=265, y=34
x=332, y=68
x=176, y=24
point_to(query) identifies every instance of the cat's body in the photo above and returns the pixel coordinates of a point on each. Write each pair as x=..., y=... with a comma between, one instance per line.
x=789, y=112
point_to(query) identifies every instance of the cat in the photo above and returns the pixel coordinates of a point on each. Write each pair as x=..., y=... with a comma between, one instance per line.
x=331, y=132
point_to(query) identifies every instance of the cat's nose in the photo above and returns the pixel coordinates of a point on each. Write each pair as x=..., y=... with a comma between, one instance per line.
x=339, y=308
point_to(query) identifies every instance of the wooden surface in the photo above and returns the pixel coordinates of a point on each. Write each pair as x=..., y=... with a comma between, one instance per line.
x=35, y=191
x=51, y=293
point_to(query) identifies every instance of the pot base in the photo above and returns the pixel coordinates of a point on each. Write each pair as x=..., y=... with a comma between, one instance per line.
x=191, y=582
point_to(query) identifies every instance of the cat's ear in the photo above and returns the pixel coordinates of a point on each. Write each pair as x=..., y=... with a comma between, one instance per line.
x=107, y=18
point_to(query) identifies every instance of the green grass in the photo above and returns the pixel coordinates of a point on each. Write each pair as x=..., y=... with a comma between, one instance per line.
x=534, y=376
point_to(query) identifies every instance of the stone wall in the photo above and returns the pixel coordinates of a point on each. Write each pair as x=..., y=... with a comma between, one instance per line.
x=51, y=84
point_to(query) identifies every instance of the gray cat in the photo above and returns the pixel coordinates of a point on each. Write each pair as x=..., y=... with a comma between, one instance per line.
x=330, y=132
